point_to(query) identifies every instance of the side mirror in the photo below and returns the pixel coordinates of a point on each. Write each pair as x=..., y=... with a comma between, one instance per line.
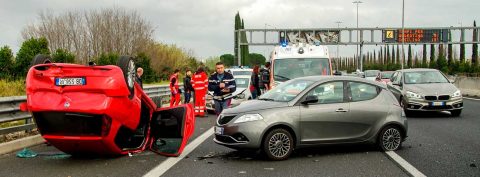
x=310, y=99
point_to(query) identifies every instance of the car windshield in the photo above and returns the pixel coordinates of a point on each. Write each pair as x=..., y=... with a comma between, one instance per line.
x=291, y=68
x=424, y=77
x=242, y=73
x=371, y=73
x=242, y=82
x=286, y=91
x=387, y=75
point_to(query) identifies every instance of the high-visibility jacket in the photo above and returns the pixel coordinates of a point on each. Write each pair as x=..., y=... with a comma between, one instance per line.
x=199, y=81
x=174, y=88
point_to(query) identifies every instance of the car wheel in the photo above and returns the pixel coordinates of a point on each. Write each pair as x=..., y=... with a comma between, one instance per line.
x=278, y=144
x=40, y=59
x=390, y=138
x=456, y=113
x=128, y=68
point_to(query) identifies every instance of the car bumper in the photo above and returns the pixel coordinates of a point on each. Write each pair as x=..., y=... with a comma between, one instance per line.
x=246, y=135
x=434, y=105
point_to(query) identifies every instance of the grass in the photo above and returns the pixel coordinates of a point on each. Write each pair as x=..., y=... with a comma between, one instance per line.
x=12, y=88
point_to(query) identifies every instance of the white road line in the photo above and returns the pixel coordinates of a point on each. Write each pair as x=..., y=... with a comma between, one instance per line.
x=404, y=164
x=471, y=98
x=171, y=161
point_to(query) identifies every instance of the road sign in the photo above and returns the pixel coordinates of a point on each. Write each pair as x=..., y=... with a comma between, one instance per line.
x=416, y=36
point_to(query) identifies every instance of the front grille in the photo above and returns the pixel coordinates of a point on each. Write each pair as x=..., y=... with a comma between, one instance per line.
x=437, y=107
x=444, y=97
x=68, y=124
x=225, y=119
x=430, y=98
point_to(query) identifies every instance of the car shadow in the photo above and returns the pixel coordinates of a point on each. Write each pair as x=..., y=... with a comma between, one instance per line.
x=420, y=115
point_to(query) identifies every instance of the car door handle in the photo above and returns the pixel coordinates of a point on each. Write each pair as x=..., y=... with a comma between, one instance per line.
x=341, y=110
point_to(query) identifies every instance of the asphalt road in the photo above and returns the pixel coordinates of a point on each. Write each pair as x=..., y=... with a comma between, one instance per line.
x=438, y=145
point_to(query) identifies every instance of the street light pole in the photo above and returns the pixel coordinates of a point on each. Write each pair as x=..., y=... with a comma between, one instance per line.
x=403, y=32
x=358, y=57
x=338, y=53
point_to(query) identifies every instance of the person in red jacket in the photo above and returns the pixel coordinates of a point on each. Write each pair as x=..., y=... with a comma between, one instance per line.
x=174, y=89
x=200, y=86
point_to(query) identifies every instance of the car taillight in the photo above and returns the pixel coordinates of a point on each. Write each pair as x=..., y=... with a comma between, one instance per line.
x=106, y=123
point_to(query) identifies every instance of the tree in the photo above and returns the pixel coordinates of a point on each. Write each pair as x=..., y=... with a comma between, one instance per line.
x=394, y=57
x=63, y=56
x=244, y=49
x=27, y=51
x=424, y=56
x=432, y=63
x=143, y=61
x=255, y=59
x=107, y=59
x=410, y=59
x=475, y=46
x=237, y=27
x=227, y=59
x=6, y=62
x=90, y=33
x=399, y=60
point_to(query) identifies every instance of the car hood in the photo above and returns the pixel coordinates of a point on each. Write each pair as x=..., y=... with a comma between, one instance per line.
x=432, y=89
x=254, y=105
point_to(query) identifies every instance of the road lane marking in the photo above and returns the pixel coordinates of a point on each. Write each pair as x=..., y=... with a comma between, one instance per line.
x=404, y=164
x=171, y=161
x=471, y=98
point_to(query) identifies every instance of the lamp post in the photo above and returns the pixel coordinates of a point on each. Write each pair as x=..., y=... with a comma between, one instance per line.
x=403, y=33
x=358, y=57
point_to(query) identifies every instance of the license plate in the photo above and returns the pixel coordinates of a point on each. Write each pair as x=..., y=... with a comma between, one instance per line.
x=438, y=104
x=219, y=130
x=69, y=81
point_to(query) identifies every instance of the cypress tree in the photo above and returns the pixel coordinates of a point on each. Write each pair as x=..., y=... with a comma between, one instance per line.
x=432, y=56
x=424, y=56
x=475, y=46
x=409, y=59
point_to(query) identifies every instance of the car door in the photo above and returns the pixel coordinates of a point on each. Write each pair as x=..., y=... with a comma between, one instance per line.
x=366, y=110
x=323, y=121
x=395, y=85
x=171, y=128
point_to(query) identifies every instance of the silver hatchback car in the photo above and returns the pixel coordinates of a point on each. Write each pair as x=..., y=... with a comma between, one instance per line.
x=314, y=110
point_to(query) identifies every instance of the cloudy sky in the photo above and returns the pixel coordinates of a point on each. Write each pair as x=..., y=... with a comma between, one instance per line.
x=206, y=26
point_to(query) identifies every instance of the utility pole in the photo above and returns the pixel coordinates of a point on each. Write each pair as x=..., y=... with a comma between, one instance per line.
x=358, y=57
x=403, y=32
x=338, y=53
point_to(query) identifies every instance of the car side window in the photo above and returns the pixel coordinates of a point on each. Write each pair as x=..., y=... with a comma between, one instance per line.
x=331, y=92
x=394, y=76
x=362, y=91
x=398, y=78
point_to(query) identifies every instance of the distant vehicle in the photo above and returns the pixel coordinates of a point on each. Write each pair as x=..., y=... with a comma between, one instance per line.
x=298, y=60
x=425, y=90
x=371, y=74
x=240, y=72
x=384, y=76
x=89, y=109
x=315, y=110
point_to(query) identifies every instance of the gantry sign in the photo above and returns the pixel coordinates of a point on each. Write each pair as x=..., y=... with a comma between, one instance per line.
x=357, y=36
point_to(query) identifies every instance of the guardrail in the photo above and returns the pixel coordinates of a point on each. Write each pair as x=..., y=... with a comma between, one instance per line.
x=10, y=111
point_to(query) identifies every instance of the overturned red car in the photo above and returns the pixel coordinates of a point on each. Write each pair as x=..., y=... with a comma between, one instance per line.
x=89, y=109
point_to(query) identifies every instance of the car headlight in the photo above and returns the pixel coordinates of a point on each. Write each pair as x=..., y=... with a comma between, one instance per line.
x=248, y=118
x=456, y=94
x=413, y=95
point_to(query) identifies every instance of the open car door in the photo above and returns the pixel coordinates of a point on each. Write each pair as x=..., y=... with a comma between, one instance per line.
x=171, y=128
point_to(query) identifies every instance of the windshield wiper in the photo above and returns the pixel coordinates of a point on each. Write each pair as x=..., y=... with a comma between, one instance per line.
x=266, y=99
x=283, y=77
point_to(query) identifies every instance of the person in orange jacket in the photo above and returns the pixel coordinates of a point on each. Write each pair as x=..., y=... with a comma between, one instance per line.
x=200, y=86
x=174, y=89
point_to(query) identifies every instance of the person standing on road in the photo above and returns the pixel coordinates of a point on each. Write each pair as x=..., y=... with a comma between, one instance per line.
x=255, y=83
x=222, y=84
x=187, y=85
x=139, y=76
x=174, y=89
x=200, y=84
x=265, y=78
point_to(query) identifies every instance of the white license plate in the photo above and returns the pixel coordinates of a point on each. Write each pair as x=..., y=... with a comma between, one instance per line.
x=437, y=103
x=69, y=81
x=219, y=130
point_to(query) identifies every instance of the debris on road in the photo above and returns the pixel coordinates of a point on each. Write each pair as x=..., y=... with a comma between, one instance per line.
x=26, y=153
x=473, y=165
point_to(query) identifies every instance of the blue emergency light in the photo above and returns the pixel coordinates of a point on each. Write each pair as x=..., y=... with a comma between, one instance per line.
x=284, y=43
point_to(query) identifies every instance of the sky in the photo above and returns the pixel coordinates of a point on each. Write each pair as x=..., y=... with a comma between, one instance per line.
x=206, y=26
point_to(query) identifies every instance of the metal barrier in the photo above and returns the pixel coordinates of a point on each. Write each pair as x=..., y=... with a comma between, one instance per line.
x=10, y=111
